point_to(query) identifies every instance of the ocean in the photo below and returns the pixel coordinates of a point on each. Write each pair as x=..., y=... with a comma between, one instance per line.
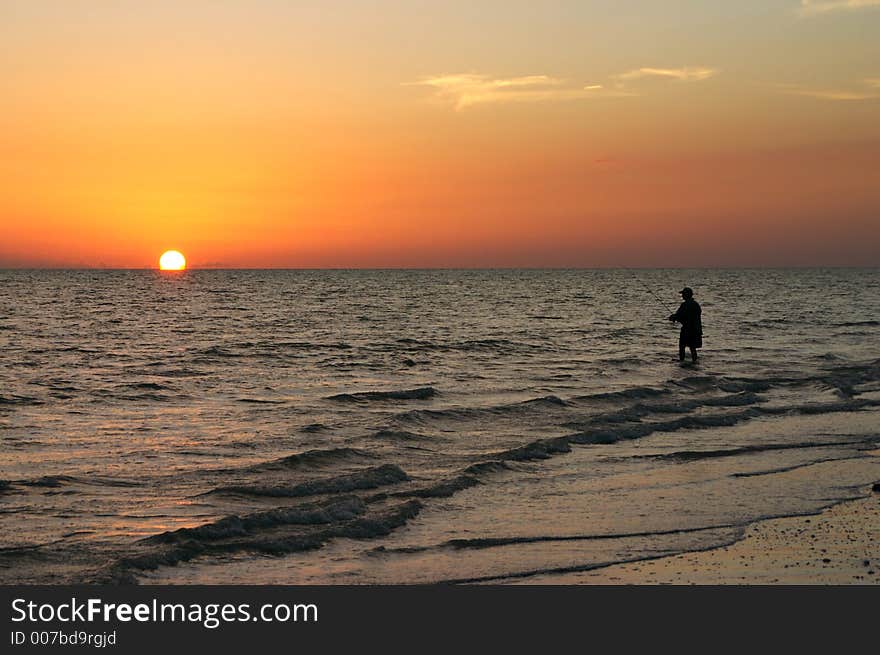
x=404, y=426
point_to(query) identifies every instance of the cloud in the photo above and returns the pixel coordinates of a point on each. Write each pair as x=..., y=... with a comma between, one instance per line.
x=685, y=74
x=469, y=89
x=815, y=7
x=465, y=90
x=835, y=94
x=832, y=95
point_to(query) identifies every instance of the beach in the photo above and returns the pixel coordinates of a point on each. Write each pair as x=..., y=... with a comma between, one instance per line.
x=839, y=546
x=404, y=427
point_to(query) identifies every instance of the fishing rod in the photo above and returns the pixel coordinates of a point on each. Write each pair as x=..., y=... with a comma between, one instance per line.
x=651, y=291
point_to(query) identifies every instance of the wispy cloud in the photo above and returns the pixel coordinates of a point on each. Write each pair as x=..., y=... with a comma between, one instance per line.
x=468, y=89
x=832, y=95
x=870, y=91
x=685, y=74
x=465, y=90
x=815, y=7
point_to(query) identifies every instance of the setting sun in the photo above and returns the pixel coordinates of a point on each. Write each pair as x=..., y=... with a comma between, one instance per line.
x=172, y=260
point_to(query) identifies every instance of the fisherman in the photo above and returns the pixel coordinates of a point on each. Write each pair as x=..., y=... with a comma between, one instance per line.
x=688, y=315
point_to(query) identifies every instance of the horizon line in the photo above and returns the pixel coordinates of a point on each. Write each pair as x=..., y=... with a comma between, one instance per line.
x=442, y=268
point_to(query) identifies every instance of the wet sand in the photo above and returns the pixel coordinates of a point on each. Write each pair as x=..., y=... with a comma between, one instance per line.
x=839, y=546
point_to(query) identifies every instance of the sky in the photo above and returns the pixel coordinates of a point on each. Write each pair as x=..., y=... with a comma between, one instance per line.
x=392, y=133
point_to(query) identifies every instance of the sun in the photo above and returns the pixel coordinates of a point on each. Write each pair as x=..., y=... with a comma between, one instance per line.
x=172, y=260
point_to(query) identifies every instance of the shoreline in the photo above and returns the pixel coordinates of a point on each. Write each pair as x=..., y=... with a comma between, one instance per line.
x=838, y=546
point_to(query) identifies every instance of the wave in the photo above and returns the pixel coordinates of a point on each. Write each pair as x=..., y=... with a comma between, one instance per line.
x=389, y=475
x=15, y=399
x=647, y=410
x=150, y=397
x=624, y=394
x=28, y=549
x=340, y=509
x=49, y=481
x=398, y=436
x=480, y=543
x=54, y=481
x=546, y=400
x=635, y=413
x=422, y=393
x=691, y=455
x=793, y=467
x=161, y=369
x=615, y=433
x=313, y=427
x=60, y=387
x=501, y=346
x=151, y=386
x=735, y=534
x=427, y=416
x=423, y=416
x=491, y=466
x=277, y=532
x=611, y=435
x=441, y=489
x=445, y=488
x=841, y=376
x=76, y=349
x=621, y=361
x=216, y=351
x=370, y=478
x=307, y=345
x=318, y=458
x=540, y=449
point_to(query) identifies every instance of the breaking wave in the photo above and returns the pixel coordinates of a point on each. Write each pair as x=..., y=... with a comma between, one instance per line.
x=422, y=393
x=370, y=478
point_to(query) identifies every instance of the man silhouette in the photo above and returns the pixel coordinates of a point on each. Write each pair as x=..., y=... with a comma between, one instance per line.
x=688, y=315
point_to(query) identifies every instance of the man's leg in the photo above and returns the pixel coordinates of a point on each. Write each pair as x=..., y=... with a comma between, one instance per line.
x=693, y=353
x=681, y=351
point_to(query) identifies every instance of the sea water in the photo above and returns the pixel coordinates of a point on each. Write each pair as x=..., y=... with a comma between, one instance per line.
x=419, y=426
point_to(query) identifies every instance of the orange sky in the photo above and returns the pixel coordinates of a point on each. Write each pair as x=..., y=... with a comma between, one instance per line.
x=351, y=134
